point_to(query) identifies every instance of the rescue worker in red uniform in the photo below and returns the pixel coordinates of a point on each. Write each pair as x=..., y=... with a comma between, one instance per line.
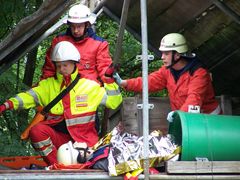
x=94, y=50
x=73, y=117
x=183, y=75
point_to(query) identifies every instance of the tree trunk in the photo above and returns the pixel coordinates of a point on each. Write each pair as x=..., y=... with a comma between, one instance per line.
x=30, y=67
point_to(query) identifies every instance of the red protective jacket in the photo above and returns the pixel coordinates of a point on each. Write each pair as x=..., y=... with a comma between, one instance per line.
x=94, y=51
x=190, y=89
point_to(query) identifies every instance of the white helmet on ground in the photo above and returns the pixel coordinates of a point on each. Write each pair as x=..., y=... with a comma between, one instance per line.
x=65, y=51
x=66, y=154
x=80, y=14
x=70, y=153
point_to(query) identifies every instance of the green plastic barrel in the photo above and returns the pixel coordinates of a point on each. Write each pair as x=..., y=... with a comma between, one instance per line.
x=216, y=137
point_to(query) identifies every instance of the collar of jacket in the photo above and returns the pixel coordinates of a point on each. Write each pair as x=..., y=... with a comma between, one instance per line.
x=73, y=76
x=192, y=65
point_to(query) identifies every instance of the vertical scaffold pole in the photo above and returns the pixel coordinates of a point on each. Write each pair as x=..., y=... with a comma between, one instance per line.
x=145, y=86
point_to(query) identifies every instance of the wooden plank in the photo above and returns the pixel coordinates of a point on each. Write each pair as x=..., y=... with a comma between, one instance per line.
x=193, y=176
x=56, y=175
x=203, y=167
x=129, y=115
x=157, y=115
x=132, y=116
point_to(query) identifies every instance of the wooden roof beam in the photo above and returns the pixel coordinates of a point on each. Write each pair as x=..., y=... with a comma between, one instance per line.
x=227, y=10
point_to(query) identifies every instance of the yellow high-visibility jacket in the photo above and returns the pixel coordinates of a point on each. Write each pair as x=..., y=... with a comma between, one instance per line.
x=77, y=108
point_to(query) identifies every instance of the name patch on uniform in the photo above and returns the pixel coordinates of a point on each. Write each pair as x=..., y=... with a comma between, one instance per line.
x=81, y=98
x=82, y=105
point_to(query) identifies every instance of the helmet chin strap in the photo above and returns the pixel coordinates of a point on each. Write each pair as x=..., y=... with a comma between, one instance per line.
x=75, y=67
x=173, y=62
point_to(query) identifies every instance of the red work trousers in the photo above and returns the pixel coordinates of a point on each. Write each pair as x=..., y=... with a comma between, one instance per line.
x=47, y=140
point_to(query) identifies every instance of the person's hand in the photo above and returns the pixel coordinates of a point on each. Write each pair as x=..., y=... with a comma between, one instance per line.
x=2, y=108
x=117, y=79
x=111, y=70
x=170, y=116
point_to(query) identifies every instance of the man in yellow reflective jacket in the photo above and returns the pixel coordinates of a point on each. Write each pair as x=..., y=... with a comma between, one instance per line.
x=73, y=117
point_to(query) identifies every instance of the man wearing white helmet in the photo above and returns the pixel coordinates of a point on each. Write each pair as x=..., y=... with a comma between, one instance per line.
x=94, y=50
x=183, y=75
x=73, y=117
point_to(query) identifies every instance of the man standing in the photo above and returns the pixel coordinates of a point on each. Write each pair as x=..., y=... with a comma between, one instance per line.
x=95, y=57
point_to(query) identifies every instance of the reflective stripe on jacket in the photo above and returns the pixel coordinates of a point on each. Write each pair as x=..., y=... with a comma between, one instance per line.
x=95, y=56
x=195, y=89
x=77, y=107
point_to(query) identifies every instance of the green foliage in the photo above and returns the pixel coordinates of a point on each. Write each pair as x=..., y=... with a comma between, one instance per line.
x=42, y=48
x=10, y=136
x=12, y=12
x=12, y=122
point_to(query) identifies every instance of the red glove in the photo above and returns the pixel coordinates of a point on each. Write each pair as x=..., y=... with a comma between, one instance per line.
x=7, y=105
x=111, y=70
x=152, y=170
x=2, y=108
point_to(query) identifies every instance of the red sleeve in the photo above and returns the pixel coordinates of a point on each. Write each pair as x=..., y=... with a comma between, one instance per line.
x=104, y=59
x=197, y=90
x=156, y=82
x=48, y=69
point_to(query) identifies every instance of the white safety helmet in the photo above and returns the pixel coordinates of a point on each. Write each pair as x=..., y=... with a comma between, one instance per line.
x=65, y=51
x=67, y=154
x=174, y=42
x=80, y=14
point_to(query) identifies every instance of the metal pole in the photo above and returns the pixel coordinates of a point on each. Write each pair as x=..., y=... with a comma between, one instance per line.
x=121, y=31
x=145, y=87
x=116, y=57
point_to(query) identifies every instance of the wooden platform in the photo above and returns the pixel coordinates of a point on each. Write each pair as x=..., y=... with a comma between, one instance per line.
x=82, y=175
x=203, y=167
